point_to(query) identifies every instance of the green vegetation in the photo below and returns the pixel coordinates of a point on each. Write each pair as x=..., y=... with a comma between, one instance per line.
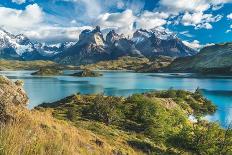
x=86, y=73
x=139, y=64
x=150, y=123
x=48, y=72
x=193, y=103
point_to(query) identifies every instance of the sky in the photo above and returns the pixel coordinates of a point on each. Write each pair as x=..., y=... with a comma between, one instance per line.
x=196, y=22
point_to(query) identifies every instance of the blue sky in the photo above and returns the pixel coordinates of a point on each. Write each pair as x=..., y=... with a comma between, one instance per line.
x=197, y=22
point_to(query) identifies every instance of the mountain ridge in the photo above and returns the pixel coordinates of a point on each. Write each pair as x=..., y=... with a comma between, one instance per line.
x=92, y=47
x=211, y=59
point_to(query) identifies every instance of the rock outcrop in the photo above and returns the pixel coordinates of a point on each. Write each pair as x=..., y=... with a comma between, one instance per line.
x=12, y=96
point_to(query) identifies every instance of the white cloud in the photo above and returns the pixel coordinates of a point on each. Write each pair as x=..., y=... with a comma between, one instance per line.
x=186, y=33
x=228, y=31
x=192, y=6
x=196, y=44
x=204, y=26
x=19, y=1
x=199, y=20
x=21, y=19
x=149, y=20
x=31, y=22
x=193, y=11
x=229, y=16
x=123, y=22
x=55, y=34
x=178, y=6
x=73, y=22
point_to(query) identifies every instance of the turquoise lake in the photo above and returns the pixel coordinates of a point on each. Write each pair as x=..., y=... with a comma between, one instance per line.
x=218, y=89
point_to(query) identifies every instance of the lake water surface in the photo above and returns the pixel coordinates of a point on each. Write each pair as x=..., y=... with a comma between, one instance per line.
x=48, y=89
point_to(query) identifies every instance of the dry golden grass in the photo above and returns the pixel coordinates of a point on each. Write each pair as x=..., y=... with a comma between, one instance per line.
x=34, y=132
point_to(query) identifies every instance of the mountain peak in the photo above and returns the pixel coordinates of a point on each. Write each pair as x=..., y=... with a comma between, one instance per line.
x=112, y=37
x=97, y=29
x=91, y=37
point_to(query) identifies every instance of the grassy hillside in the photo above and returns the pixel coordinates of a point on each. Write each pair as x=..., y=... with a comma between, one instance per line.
x=213, y=59
x=30, y=65
x=151, y=123
x=138, y=64
x=23, y=65
x=35, y=132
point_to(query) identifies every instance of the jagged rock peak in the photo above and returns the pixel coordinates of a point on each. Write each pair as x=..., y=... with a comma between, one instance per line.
x=97, y=29
x=112, y=36
x=91, y=37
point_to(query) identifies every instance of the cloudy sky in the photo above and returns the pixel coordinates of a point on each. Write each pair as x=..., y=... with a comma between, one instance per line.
x=197, y=22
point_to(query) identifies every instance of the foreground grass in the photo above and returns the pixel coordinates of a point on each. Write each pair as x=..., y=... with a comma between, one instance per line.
x=34, y=132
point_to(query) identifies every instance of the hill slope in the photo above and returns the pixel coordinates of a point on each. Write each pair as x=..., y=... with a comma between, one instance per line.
x=212, y=59
x=151, y=123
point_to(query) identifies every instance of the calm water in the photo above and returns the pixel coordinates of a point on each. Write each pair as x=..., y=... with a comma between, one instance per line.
x=48, y=89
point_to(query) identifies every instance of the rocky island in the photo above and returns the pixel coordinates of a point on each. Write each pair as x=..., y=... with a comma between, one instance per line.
x=86, y=73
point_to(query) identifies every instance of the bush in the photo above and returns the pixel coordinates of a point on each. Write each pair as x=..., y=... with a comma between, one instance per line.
x=204, y=138
x=105, y=109
x=71, y=114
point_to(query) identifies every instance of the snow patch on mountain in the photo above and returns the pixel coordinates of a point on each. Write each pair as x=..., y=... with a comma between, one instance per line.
x=20, y=42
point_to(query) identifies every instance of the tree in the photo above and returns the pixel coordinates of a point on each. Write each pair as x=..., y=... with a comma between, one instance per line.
x=105, y=109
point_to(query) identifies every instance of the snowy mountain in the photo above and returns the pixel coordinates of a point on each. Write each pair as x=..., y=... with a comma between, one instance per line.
x=158, y=42
x=19, y=47
x=50, y=50
x=14, y=46
x=92, y=47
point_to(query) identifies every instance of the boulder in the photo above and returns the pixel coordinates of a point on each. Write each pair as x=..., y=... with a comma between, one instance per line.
x=12, y=96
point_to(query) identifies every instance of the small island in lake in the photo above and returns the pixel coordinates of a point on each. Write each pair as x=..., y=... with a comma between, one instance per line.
x=48, y=72
x=86, y=73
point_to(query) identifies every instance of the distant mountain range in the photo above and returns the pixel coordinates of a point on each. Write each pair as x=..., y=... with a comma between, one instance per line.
x=93, y=47
x=19, y=47
x=212, y=59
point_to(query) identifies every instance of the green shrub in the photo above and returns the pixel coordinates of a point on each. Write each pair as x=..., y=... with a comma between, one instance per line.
x=104, y=109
